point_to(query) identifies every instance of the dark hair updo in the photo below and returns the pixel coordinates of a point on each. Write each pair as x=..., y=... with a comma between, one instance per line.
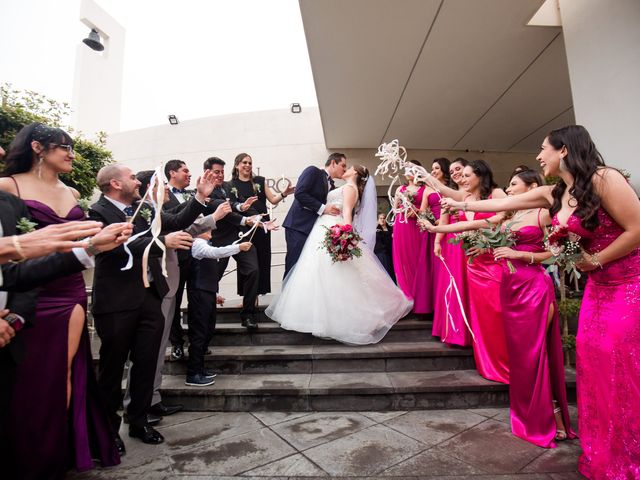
x=21, y=156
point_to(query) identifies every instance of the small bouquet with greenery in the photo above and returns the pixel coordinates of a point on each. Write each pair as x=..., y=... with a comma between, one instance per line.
x=341, y=243
x=488, y=238
x=566, y=250
x=84, y=204
x=426, y=216
x=467, y=240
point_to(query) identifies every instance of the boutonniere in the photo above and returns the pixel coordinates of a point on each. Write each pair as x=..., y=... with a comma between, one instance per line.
x=234, y=190
x=256, y=187
x=25, y=225
x=84, y=204
x=145, y=213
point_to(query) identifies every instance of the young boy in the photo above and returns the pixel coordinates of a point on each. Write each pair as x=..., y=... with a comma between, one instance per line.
x=201, y=294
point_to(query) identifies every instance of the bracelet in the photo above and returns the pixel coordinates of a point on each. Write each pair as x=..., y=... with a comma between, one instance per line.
x=464, y=207
x=532, y=260
x=595, y=260
x=19, y=250
x=91, y=248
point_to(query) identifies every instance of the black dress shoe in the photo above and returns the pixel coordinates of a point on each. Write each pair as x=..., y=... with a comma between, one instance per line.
x=250, y=323
x=177, y=352
x=147, y=434
x=120, y=446
x=152, y=419
x=164, y=410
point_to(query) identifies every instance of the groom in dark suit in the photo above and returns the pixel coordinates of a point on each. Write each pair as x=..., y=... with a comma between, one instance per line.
x=310, y=202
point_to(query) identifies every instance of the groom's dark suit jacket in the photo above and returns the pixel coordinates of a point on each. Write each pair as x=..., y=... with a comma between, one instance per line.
x=311, y=193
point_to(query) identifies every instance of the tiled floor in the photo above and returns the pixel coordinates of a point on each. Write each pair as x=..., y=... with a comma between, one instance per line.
x=431, y=444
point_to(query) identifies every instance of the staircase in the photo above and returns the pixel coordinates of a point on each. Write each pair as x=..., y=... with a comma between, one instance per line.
x=278, y=370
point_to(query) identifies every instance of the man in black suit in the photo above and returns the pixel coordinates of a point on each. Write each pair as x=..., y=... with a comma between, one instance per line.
x=226, y=233
x=127, y=315
x=19, y=281
x=310, y=202
x=179, y=178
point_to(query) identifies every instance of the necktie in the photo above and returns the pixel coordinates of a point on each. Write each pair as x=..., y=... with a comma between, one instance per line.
x=178, y=190
x=128, y=211
x=332, y=184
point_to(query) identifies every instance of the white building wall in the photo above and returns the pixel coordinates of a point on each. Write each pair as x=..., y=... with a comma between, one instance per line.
x=97, y=88
x=603, y=52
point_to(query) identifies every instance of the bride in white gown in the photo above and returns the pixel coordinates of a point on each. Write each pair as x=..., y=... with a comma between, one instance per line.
x=355, y=301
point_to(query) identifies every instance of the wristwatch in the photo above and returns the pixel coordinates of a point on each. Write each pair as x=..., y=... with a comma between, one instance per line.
x=91, y=248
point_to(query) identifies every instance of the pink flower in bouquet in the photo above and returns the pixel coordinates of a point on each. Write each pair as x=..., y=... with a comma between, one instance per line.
x=347, y=228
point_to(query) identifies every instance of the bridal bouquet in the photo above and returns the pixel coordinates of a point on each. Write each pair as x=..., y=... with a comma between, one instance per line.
x=566, y=250
x=491, y=237
x=341, y=243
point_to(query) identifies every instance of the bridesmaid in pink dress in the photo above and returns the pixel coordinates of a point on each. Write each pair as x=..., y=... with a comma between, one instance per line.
x=428, y=264
x=448, y=321
x=597, y=203
x=407, y=239
x=532, y=327
x=483, y=276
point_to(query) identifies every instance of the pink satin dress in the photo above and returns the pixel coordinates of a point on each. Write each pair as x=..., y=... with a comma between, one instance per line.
x=608, y=359
x=484, y=276
x=535, y=351
x=408, y=247
x=428, y=265
x=448, y=321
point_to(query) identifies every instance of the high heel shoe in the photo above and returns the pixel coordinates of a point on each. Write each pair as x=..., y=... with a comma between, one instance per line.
x=561, y=434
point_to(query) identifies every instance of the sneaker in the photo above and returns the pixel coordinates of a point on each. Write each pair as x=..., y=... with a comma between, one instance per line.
x=177, y=352
x=199, y=380
x=209, y=374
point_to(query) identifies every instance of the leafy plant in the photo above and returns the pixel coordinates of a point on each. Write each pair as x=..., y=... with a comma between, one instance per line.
x=22, y=107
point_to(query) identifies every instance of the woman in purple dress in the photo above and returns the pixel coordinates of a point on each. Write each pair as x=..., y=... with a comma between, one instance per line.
x=597, y=203
x=408, y=245
x=57, y=420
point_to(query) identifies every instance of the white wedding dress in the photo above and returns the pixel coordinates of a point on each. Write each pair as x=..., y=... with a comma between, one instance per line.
x=354, y=302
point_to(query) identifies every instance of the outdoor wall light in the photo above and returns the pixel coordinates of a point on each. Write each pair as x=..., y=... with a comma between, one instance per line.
x=296, y=108
x=93, y=41
x=173, y=120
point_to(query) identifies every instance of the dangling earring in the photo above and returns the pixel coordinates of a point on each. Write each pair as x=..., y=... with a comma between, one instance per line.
x=563, y=165
x=39, y=167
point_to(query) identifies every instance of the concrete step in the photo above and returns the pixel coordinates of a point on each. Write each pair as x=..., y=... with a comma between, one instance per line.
x=385, y=357
x=357, y=391
x=231, y=314
x=270, y=333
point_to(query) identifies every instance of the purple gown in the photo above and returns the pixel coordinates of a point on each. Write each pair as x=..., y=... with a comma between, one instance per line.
x=47, y=439
x=428, y=265
x=448, y=322
x=535, y=353
x=407, y=247
x=484, y=276
x=608, y=359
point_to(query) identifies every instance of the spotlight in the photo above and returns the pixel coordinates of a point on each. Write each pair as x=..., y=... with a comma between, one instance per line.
x=93, y=41
x=296, y=108
x=173, y=120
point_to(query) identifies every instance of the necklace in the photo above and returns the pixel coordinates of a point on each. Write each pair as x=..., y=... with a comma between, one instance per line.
x=522, y=213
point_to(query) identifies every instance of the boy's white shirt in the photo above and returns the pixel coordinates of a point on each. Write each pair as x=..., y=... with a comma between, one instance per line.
x=201, y=249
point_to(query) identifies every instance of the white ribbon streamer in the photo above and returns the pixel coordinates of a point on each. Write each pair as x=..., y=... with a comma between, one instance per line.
x=453, y=286
x=157, y=200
